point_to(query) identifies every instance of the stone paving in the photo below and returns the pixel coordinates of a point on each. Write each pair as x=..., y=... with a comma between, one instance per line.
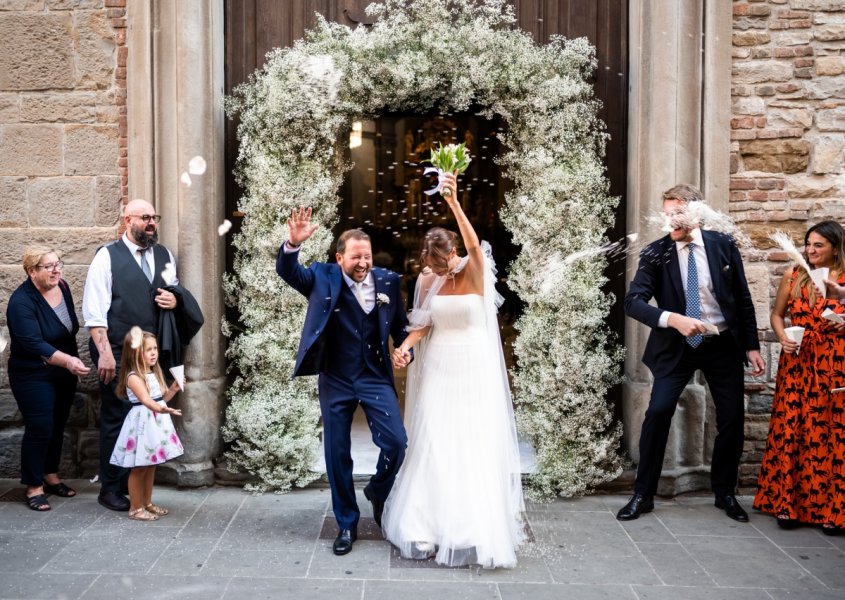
x=222, y=543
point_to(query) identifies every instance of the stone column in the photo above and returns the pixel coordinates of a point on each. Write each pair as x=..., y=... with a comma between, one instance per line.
x=679, y=132
x=175, y=90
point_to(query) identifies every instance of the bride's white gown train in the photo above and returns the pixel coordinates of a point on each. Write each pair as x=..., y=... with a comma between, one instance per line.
x=459, y=491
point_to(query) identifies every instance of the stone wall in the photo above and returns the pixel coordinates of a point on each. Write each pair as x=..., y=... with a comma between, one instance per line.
x=62, y=169
x=787, y=154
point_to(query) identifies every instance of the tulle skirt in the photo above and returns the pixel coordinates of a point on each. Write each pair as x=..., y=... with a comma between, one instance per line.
x=146, y=439
x=458, y=495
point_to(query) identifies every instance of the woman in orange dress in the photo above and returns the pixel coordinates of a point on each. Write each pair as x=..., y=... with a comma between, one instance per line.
x=802, y=478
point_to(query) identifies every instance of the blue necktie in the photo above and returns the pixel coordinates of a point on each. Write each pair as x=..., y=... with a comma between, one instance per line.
x=693, y=298
x=145, y=266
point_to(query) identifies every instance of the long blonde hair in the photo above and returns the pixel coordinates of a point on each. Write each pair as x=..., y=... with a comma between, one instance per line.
x=833, y=233
x=132, y=359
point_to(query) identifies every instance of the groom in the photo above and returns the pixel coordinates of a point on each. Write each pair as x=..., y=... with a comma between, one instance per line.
x=352, y=309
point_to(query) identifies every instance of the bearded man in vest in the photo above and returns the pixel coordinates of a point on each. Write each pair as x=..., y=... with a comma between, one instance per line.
x=124, y=288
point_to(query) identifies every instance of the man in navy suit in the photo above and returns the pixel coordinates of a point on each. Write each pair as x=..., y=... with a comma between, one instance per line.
x=352, y=310
x=698, y=283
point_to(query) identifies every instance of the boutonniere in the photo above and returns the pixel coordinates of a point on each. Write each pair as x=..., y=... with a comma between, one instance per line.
x=726, y=268
x=382, y=299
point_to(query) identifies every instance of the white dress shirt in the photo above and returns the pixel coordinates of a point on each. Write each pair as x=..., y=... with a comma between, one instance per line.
x=96, y=298
x=710, y=311
x=368, y=290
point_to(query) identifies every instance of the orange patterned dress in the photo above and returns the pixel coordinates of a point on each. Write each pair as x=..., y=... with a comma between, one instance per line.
x=802, y=474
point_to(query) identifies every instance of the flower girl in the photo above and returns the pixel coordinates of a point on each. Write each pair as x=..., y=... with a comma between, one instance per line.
x=148, y=437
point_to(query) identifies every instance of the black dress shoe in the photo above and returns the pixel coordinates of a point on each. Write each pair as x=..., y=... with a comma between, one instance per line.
x=637, y=505
x=343, y=542
x=832, y=530
x=113, y=501
x=378, y=505
x=730, y=505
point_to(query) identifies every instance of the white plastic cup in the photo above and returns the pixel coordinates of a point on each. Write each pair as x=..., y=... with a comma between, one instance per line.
x=795, y=333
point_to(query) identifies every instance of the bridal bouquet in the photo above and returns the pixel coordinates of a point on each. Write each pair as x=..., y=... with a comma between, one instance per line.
x=447, y=159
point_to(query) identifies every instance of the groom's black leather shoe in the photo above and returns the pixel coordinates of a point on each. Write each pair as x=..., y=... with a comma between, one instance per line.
x=637, y=505
x=378, y=505
x=344, y=540
x=730, y=505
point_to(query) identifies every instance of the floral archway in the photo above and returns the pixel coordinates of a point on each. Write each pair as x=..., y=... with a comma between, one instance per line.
x=426, y=55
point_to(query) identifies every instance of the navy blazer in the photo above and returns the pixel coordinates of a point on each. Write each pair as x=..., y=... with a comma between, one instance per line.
x=36, y=331
x=659, y=276
x=321, y=284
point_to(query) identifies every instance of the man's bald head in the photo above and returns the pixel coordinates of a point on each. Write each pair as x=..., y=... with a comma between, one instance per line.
x=141, y=223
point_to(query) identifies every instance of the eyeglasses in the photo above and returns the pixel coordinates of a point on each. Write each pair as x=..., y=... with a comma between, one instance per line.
x=56, y=266
x=147, y=218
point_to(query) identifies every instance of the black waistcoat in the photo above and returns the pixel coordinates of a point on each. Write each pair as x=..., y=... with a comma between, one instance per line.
x=132, y=295
x=353, y=339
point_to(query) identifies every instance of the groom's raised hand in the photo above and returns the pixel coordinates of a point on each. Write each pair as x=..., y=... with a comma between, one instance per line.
x=299, y=226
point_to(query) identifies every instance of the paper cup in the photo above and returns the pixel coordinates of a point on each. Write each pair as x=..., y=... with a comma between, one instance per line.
x=833, y=316
x=178, y=373
x=818, y=276
x=795, y=333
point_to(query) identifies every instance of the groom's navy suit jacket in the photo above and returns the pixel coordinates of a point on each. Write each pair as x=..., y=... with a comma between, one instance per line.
x=322, y=284
x=659, y=276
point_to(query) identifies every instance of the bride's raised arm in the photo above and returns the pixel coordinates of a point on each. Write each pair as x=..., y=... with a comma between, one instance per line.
x=475, y=266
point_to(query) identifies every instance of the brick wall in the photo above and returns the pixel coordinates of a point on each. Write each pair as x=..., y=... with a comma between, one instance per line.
x=62, y=168
x=788, y=151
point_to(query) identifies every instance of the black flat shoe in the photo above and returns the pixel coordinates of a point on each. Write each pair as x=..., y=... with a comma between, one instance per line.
x=38, y=503
x=637, y=505
x=378, y=505
x=732, y=508
x=832, y=530
x=343, y=542
x=113, y=501
x=60, y=489
x=784, y=522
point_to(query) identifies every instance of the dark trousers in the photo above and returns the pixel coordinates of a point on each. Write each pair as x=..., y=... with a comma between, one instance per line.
x=721, y=362
x=45, y=406
x=339, y=397
x=113, y=411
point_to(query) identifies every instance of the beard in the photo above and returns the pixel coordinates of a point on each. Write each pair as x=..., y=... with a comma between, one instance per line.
x=144, y=238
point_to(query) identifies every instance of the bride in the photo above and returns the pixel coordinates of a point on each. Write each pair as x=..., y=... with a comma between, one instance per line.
x=458, y=495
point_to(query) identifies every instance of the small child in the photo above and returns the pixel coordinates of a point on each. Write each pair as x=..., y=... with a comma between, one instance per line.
x=148, y=437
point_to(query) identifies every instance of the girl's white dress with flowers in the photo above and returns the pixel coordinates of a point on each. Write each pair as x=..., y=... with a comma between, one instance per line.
x=147, y=438
x=458, y=495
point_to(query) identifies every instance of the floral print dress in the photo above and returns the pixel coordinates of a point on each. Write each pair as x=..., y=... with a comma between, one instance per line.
x=147, y=438
x=802, y=475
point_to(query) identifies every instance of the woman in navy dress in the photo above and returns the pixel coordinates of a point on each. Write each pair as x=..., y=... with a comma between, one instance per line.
x=44, y=366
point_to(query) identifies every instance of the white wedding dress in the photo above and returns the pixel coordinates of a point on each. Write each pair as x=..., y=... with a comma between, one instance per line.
x=458, y=495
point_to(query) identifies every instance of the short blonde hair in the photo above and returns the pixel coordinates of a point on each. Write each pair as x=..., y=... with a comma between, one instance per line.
x=33, y=255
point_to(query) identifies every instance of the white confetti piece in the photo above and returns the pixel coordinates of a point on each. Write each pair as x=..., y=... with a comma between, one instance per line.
x=136, y=337
x=185, y=179
x=169, y=274
x=197, y=165
x=224, y=227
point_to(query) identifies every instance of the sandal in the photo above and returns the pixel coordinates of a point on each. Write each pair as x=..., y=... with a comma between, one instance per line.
x=60, y=489
x=157, y=510
x=38, y=502
x=784, y=522
x=142, y=514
